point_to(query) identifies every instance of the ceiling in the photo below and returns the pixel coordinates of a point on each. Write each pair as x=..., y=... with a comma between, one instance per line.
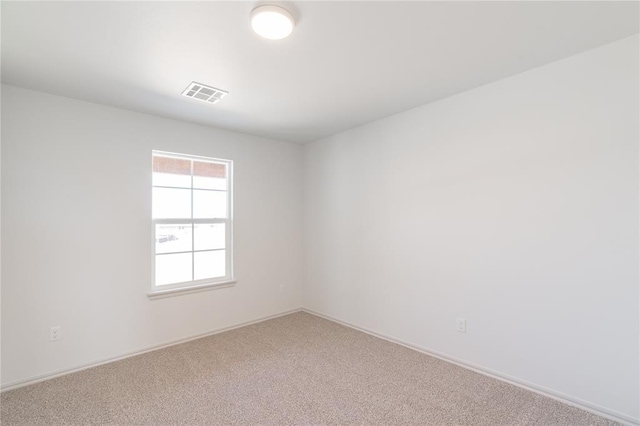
x=346, y=63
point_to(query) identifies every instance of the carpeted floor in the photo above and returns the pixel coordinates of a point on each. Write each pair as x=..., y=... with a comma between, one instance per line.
x=297, y=369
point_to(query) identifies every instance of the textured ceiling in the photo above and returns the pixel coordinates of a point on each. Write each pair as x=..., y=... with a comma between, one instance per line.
x=346, y=64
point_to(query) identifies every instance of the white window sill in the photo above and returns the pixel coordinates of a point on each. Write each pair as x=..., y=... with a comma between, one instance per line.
x=160, y=294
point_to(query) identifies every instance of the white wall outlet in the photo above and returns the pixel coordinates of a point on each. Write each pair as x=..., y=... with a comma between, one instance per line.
x=461, y=325
x=281, y=288
x=54, y=333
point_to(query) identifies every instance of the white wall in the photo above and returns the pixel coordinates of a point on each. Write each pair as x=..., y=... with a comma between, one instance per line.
x=76, y=234
x=515, y=206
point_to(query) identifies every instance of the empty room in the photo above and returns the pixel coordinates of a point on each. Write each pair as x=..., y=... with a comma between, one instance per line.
x=320, y=213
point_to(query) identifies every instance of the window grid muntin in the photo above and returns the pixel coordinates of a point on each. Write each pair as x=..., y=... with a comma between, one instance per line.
x=228, y=261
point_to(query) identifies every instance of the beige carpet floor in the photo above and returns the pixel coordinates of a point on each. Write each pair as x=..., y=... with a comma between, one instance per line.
x=297, y=369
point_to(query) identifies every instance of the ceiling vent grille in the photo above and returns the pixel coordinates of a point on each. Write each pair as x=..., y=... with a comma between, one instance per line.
x=204, y=93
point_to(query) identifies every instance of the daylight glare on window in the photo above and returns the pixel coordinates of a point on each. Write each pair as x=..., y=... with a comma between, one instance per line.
x=190, y=211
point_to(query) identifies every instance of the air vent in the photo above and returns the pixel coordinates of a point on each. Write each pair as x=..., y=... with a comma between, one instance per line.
x=204, y=93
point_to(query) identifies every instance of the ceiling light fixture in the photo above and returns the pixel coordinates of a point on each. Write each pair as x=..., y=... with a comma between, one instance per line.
x=272, y=22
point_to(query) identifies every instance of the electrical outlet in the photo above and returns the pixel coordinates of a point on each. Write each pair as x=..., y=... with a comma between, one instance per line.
x=54, y=333
x=461, y=325
x=281, y=288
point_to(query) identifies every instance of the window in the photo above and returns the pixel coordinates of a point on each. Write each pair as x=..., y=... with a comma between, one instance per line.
x=192, y=222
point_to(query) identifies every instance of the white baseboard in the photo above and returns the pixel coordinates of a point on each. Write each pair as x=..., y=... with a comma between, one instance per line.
x=558, y=396
x=576, y=402
x=63, y=372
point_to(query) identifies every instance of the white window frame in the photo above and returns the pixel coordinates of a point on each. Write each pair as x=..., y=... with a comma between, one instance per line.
x=204, y=284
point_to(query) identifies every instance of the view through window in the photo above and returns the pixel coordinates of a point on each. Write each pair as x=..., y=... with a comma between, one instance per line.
x=191, y=220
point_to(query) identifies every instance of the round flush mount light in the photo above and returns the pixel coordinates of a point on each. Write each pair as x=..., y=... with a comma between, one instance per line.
x=272, y=22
